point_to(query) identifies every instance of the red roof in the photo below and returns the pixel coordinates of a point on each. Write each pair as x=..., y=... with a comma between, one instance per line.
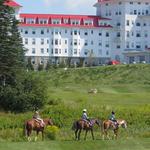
x=11, y=3
x=62, y=15
x=81, y=18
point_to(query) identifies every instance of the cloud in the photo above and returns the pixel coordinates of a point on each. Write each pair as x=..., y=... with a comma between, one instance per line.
x=69, y=4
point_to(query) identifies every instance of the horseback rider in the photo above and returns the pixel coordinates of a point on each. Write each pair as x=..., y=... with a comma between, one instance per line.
x=85, y=117
x=37, y=118
x=113, y=118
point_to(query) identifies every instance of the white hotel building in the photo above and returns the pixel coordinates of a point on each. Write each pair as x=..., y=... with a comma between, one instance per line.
x=120, y=30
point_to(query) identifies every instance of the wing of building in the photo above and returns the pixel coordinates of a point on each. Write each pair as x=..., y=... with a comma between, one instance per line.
x=120, y=31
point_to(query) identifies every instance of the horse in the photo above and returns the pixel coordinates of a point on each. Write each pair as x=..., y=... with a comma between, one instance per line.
x=81, y=124
x=108, y=124
x=34, y=125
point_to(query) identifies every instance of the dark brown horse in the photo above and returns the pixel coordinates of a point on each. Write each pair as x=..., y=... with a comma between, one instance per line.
x=80, y=125
x=32, y=124
x=110, y=125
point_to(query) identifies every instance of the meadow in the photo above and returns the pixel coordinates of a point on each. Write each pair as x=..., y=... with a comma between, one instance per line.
x=124, y=89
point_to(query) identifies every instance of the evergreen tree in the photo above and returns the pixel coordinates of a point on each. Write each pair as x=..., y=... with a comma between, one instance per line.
x=11, y=47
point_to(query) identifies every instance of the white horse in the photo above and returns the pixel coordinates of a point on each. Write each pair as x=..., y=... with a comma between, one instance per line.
x=110, y=125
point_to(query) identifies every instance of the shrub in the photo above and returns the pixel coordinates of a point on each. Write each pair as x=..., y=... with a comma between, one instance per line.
x=51, y=132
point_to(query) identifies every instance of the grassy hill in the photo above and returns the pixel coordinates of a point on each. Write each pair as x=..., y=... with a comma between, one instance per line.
x=124, y=89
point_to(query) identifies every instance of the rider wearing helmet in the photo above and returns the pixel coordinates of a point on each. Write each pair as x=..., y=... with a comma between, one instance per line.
x=113, y=118
x=37, y=117
x=85, y=116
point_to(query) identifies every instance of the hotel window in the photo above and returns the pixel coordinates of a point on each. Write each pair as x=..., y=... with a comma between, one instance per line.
x=127, y=22
x=33, y=50
x=26, y=41
x=138, y=34
x=145, y=33
x=56, y=41
x=132, y=45
x=33, y=32
x=147, y=12
x=86, y=42
x=107, y=34
x=66, y=21
x=86, y=33
x=75, y=32
x=131, y=3
x=92, y=42
x=33, y=41
x=56, y=21
x=56, y=50
x=42, y=41
x=100, y=34
x=75, y=51
x=47, y=30
x=47, y=50
x=135, y=12
x=118, y=46
x=66, y=42
x=128, y=34
x=65, y=50
x=59, y=51
x=26, y=32
x=42, y=50
x=107, y=52
x=75, y=42
x=127, y=44
x=118, y=34
x=107, y=44
x=47, y=41
x=42, y=31
x=43, y=21
x=138, y=45
x=65, y=31
x=138, y=24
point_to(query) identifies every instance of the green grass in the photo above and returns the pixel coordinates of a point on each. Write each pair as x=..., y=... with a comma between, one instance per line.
x=124, y=89
x=130, y=144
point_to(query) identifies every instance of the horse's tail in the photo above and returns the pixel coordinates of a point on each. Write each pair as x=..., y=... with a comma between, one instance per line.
x=74, y=125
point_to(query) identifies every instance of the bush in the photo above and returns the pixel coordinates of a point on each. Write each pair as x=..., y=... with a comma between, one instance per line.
x=51, y=132
x=28, y=93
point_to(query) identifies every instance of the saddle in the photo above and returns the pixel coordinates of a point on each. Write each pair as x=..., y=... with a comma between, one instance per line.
x=88, y=123
x=39, y=122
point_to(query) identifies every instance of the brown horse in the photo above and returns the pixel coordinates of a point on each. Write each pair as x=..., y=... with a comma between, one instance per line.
x=80, y=125
x=32, y=124
x=110, y=125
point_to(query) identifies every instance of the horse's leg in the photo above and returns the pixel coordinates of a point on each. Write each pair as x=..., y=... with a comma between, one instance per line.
x=76, y=131
x=37, y=133
x=42, y=135
x=85, y=134
x=79, y=134
x=92, y=134
x=115, y=134
x=29, y=134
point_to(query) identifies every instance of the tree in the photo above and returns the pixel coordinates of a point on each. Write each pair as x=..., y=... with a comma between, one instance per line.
x=11, y=47
x=19, y=90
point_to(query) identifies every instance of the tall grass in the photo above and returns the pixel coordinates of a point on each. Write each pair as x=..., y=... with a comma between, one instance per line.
x=124, y=89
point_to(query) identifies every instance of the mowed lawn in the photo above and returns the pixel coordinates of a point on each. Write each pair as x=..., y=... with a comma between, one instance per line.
x=129, y=144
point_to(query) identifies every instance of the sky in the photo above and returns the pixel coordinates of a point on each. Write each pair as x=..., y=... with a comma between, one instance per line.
x=81, y=7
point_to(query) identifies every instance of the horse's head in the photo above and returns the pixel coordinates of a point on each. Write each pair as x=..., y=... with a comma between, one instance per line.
x=96, y=121
x=48, y=121
x=122, y=123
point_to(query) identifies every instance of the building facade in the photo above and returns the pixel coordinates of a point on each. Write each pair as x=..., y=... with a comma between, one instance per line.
x=120, y=30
